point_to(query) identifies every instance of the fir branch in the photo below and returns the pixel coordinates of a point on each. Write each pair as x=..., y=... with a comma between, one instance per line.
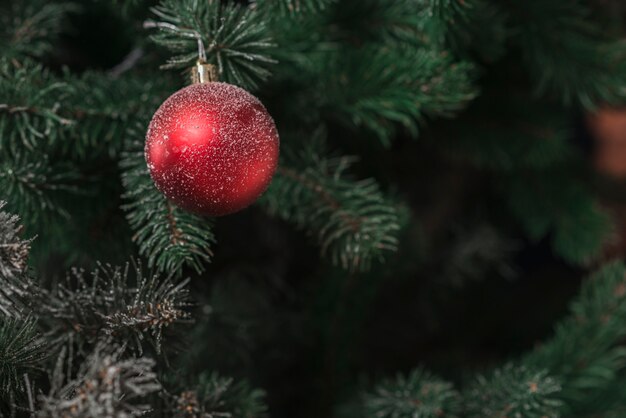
x=216, y=396
x=514, y=391
x=606, y=400
x=31, y=104
x=13, y=249
x=107, y=385
x=114, y=303
x=292, y=7
x=419, y=394
x=586, y=353
x=110, y=304
x=82, y=115
x=397, y=85
x=155, y=306
x=516, y=135
x=551, y=200
x=105, y=106
x=364, y=21
x=465, y=26
x=29, y=28
x=168, y=236
x=351, y=220
x=34, y=187
x=22, y=351
x=240, y=317
x=567, y=54
x=234, y=37
x=460, y=27
x=15, y=286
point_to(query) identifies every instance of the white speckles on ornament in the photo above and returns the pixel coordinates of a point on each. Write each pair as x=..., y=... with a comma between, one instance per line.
x=212, y=148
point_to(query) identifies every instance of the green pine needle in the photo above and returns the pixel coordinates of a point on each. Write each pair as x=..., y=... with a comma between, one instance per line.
x=568, y=54
x=586, y=351
x=107, y=385
x=514, y=391
x=398, y=85
x=292, y=7
x=31, y=114
x=419, y=394
x=553, y=201
x=235, y=38
x=352, y=221
x=22, y=351
x=30, y=28
x=15, y=285
x=220, y=396
x=168, y=236
x=35, y=186
x=123, y=305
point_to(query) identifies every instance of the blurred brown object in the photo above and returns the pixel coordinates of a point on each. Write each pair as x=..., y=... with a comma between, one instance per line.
x=607, y=127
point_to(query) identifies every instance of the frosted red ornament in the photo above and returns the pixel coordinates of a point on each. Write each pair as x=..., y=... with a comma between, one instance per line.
x=212, y=148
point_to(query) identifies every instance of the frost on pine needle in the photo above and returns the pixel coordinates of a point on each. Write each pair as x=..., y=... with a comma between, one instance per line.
x=15, y=286
x=106, y=385
x=218, y=396
x=13, y=249
x=115, y=302
x=22, y=350
x=110, y=304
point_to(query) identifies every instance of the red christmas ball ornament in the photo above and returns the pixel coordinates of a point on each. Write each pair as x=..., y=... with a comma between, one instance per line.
x=212, y=148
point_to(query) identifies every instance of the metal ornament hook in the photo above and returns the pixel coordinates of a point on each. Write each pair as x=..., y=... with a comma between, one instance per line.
x=202, y=72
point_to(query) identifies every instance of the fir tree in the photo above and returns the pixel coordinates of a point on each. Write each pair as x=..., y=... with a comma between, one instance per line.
x=427, y=155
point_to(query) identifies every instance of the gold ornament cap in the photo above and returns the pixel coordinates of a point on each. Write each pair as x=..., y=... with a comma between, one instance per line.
x=203, y=72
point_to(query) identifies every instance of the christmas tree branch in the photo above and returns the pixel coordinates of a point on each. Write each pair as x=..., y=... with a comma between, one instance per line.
x=375, y=21
x=390, y=90
x=217, y=396
x=127, y=308
x=34, y=186
x=552, y=201
x=352, y=221
x=22, y=351
x=233, y=37
x=105, y=106
x=514, y=391
x=419, y=394
x=586, y=353
x=13, y=249
x=78, y=115
x=107, y=385
x=536, y=167
x=279, y=8
x=537, y=136
x=568, y=54
x=30, y=108
x=168, y=236
x=29, y=28
x=465, y=27
x=107, y=313
x=14, y=283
